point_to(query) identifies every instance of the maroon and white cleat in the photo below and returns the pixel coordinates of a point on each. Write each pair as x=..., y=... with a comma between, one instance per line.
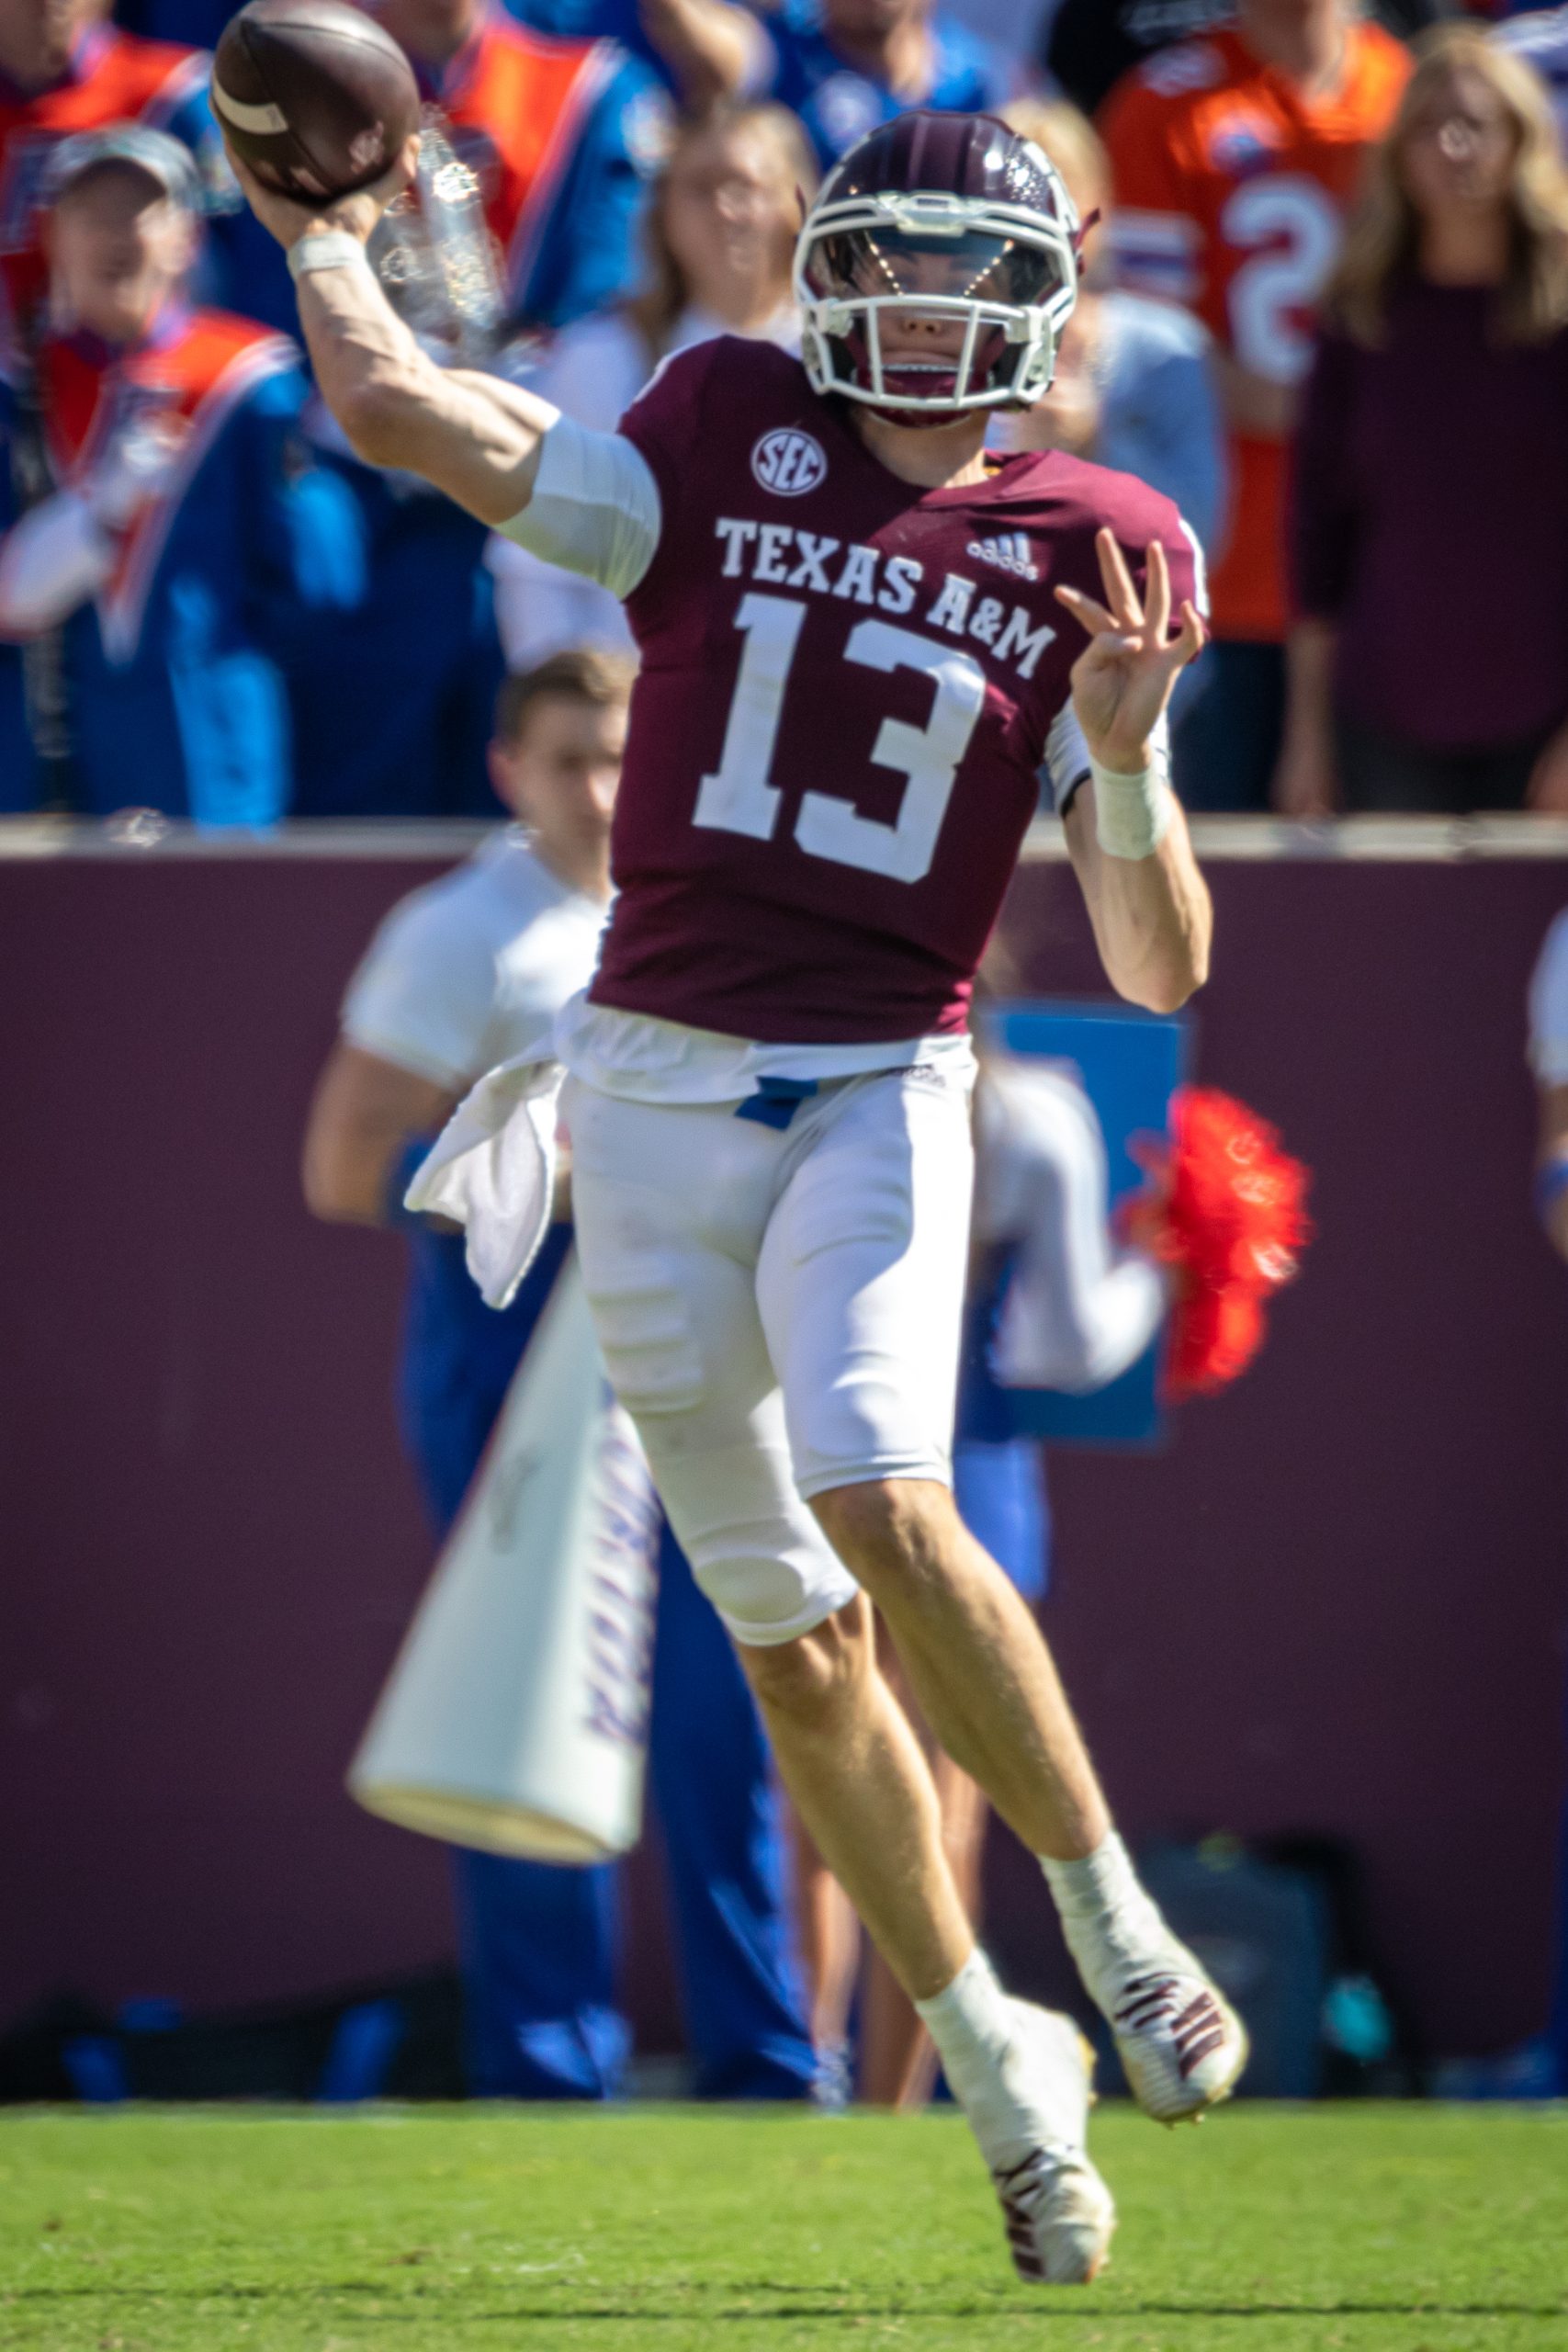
x=1182, y=2044
x=1057, y=2211
x=1059, y=2218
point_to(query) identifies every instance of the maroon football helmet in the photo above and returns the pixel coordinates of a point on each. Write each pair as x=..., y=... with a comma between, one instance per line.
x=961, y=231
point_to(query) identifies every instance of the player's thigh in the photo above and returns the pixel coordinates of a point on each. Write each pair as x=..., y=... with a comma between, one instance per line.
x=662, y=1243
x=861, y=1281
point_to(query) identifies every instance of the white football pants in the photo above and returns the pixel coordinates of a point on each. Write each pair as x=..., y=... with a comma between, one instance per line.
x=780, y=1312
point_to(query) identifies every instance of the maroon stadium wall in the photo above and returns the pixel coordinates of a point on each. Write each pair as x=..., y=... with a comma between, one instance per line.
x=1335, y=1603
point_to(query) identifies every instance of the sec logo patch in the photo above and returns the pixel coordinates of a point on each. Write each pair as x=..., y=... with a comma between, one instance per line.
x=789, y=461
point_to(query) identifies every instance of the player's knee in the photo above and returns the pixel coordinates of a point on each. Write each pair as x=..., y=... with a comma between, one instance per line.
x=887, y=1530
x=813, y=1679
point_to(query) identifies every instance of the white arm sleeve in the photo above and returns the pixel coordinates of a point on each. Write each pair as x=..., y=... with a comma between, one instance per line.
x=53, y=561
x=594, y=507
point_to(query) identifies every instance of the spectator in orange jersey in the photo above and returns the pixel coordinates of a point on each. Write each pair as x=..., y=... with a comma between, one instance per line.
x=1086, y=46
x=1234, y=157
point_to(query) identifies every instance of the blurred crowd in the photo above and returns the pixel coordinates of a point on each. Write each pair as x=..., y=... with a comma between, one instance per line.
x=1325, y=308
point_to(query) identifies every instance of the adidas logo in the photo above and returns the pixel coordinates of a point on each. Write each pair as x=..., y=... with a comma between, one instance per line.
x=1009, y=553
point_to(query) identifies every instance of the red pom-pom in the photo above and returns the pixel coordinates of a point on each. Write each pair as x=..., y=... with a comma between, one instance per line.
x=1230, y=1224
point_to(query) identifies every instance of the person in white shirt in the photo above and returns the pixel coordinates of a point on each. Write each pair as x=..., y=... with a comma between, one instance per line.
x=720, y=231
x=459, y=975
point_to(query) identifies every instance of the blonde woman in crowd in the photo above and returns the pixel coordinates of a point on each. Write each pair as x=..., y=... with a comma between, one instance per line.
x=721, y=229
x=1429, y=660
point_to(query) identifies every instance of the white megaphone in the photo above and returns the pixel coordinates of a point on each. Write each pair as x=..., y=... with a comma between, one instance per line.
x=516, y=1718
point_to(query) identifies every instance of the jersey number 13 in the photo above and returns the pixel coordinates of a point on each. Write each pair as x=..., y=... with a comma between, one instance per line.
x=740, y=796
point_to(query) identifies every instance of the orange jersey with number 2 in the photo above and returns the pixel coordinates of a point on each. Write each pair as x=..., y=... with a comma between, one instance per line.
x=1231, y=187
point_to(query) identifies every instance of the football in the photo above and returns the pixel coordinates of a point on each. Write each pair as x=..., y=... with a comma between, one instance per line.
x=315, y=96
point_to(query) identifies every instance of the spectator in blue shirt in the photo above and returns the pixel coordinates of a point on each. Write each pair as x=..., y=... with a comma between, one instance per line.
x=846, y=65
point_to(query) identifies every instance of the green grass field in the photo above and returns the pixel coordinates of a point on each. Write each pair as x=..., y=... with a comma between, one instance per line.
x=1405, y=2229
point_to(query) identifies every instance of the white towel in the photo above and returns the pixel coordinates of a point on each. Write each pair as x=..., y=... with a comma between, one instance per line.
x=492, y=1171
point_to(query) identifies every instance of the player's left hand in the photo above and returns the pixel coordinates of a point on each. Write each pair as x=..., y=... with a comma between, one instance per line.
x=1123, y=679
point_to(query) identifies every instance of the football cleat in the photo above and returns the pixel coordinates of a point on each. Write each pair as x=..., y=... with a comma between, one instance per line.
x=1059, y=2216
x=1182, y=2046
x=1031, y=2123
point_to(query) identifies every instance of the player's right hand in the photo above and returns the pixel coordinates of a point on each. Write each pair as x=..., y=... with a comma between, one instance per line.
x=1123, y=679
x=357, y=214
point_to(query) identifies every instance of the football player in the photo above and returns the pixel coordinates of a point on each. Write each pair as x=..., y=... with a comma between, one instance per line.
x=862, y=638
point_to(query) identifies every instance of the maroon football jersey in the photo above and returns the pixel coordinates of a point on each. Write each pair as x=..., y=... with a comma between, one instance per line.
x=847, y=691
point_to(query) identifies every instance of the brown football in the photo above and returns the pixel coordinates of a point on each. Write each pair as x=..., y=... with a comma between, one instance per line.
x=314, y=94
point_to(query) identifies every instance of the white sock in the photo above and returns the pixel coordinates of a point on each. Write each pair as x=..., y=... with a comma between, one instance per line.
x=1109, y=1921
x=1019, y=2089
x=971, y=2025
x=1100, y=1882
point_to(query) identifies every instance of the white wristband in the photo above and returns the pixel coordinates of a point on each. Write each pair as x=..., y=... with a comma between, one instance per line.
x=1131, y=813
x=326, y=249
